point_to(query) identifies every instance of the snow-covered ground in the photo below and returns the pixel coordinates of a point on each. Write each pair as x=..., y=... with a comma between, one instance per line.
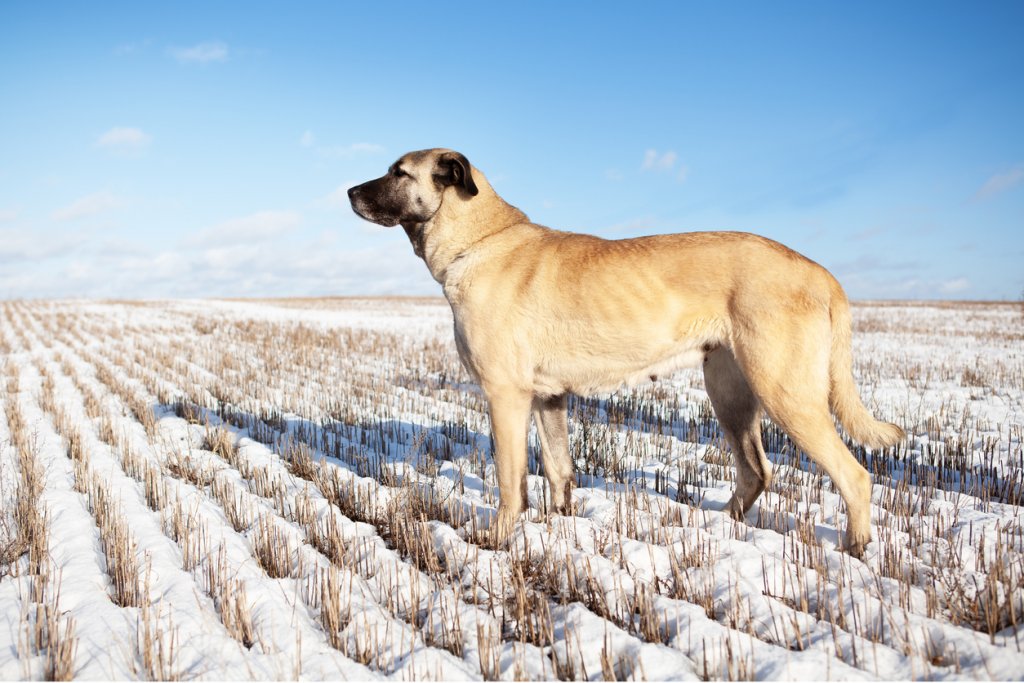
x=301, y=489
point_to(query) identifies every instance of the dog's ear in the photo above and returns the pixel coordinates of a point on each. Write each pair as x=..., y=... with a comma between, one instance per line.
x=454, y=169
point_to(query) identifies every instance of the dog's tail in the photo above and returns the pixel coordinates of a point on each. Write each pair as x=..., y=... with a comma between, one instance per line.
x=843, y=397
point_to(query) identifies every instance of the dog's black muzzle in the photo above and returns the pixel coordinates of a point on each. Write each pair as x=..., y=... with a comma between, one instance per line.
x=371, y=202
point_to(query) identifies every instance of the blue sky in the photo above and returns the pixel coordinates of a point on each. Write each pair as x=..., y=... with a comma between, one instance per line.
x=174, y=149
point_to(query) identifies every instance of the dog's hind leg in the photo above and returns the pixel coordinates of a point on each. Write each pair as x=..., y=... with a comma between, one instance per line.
x=790, y=376
x=550, y=416
x=510, y=415
x=739, y=414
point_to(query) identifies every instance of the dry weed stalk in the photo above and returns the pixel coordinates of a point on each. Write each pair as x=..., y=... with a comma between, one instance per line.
x=405, y=526
x=42, y=633
x=154, y=486
x=187, y=468
x=18, y=327
x=300, y=460
x=994, y=603
x=132, y=462
x=185, y=529
x=41, y=620
x=61, y=651
x=265, y=484
x=12, y=545
x=230, y=598
x=335, y=611
x=218, y=440
x=117, y=544
x=157, y=644
x=325, y=535
x=139, y=409
x=236, y=507
x=76, y=450
x=530, y=609
x=273, y=550
x=357, y=502
x=488, y=652
x=116, y=540
x=5, y=345
x=30, y=518
x=187, y=409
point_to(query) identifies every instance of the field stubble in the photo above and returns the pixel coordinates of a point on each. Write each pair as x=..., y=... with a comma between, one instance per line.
x=215, y=489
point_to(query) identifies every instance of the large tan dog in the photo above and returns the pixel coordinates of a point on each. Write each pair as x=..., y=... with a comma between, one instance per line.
x=540, y=313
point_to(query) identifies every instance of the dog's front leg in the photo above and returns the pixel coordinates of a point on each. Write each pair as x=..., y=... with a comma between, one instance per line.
x=510, y=414
x=549, y=414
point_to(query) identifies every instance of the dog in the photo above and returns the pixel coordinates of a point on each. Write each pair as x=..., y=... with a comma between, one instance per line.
x=541, y=313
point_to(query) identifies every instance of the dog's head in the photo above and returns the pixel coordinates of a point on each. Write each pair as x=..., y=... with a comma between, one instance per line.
x=412, y=189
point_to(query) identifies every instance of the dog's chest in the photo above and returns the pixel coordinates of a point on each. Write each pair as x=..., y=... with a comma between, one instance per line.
x=465, y=352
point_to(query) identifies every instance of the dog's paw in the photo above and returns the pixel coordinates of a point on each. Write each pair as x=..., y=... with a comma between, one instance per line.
x=736, y=508
x=855, y=544
x=503, y=525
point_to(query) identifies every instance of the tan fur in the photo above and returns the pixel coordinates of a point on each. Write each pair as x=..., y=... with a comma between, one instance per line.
x=541, y=313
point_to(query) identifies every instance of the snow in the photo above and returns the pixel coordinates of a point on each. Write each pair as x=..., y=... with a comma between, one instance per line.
x=649, y=579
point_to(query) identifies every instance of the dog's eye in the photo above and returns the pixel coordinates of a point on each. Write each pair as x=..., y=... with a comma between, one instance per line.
x=398, y=173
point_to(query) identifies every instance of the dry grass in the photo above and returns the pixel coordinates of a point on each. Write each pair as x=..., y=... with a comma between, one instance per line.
x=229, y=595
x=157, y=644
x=335, y=609
x=117, y=544
x=29, y=519
x=181, y=523
x=369, y=471
x=274, y=550
x=233, y=503
x=45, y=630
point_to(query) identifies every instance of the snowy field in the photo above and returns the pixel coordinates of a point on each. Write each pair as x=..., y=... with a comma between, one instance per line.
x=301, y=489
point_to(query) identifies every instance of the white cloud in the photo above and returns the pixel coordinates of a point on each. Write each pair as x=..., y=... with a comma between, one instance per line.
x=202, y=53
x=655, y=161
x=665, y=162
x=236, y=232
x=21, y=246
x=1000, y=182
x=89, y=205
x=308, y=140
x=307, y=267
x=124, y=139
x=892, y=283
x=955, y=285
x=8, y=215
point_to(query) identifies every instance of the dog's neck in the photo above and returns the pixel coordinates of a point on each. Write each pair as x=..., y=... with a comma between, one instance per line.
x=414, y=231
x=455, y=228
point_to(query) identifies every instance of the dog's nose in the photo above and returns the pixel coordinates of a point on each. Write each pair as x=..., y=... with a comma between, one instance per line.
x=352, y=192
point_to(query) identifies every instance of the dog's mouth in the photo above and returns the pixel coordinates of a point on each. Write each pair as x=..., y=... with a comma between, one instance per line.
x=379, y=219
x=368, y=212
